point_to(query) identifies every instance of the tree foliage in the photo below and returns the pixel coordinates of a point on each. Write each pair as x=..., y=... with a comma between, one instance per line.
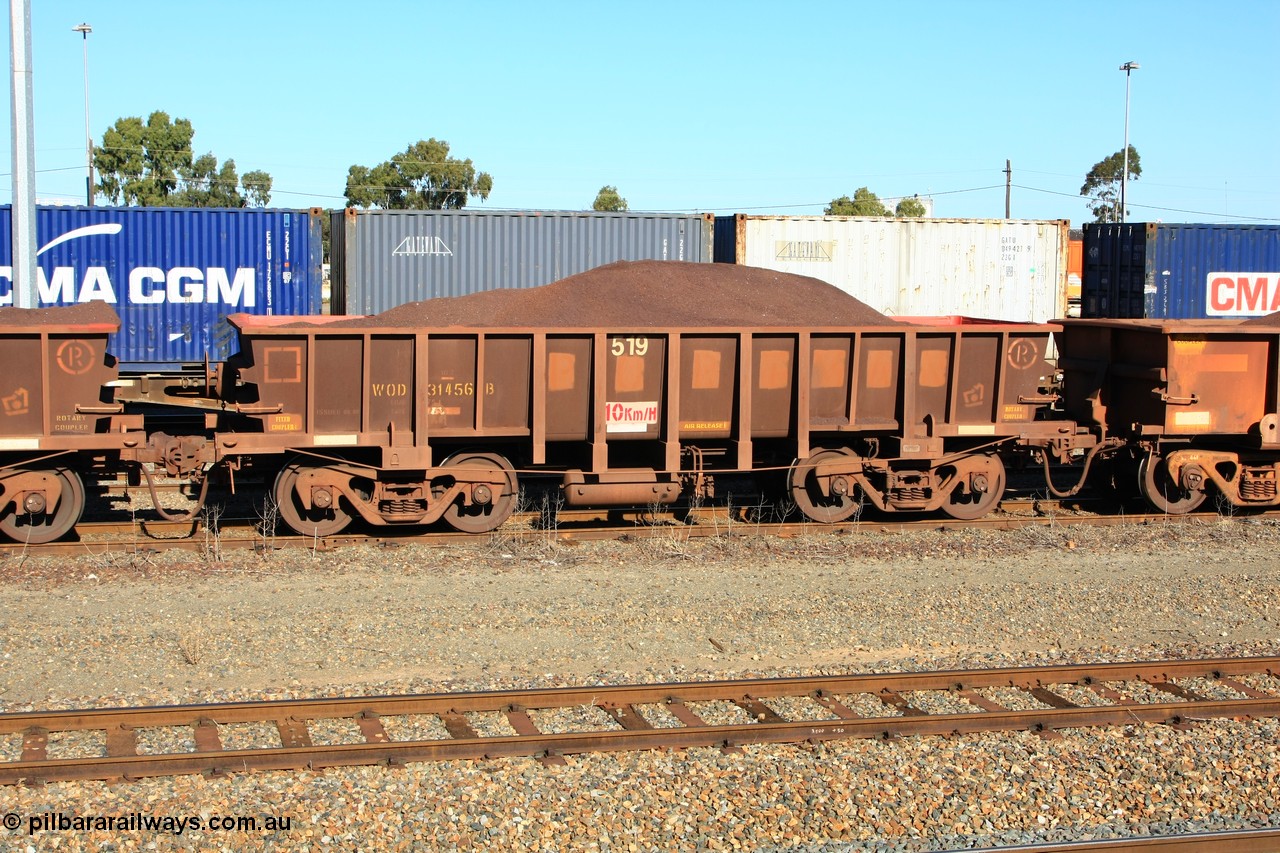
x=1102, y=185
x=151, y=165
x=608, y=199
x=910, y=208
x=422, y=177
x=863, y=203
x=257, y=187
x=206, y=184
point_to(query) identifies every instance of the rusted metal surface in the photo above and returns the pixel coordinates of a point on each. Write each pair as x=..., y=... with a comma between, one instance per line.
x=618, y=488
x=409, y=425
x=1172, y=378
x=1198, y=401
x=761, y=723
x=55, y=368
x=52, y=401
x=636, y=415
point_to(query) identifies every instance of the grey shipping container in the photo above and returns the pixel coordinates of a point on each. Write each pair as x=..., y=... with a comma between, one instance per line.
x=384, y=258
x=1180, y=271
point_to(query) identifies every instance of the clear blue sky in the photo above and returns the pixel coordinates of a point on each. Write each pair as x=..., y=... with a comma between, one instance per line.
x=757, y=107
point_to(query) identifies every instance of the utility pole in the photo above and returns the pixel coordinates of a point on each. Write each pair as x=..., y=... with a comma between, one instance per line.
x=23, y=277
x=1008, y=186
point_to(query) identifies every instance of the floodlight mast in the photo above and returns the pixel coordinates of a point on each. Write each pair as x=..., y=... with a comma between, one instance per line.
x=84, y=30
x=1128, y=68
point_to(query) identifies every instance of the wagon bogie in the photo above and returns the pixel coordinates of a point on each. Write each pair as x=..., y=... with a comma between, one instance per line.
x=473, y=492
x=833, y=484
x=1183, y=477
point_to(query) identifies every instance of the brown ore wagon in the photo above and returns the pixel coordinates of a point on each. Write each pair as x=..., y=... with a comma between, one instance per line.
x=1193, y=404
x=634, y=384
x=55, y=375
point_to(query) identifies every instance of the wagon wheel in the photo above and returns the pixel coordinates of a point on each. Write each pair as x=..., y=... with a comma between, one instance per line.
x=837, y=506
x=1160, y=489
x=39, y=525
x=317, y=521
x=980, y=492
x=483, y=517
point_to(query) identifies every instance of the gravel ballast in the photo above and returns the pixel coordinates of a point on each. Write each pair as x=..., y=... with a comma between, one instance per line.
x=140, y=628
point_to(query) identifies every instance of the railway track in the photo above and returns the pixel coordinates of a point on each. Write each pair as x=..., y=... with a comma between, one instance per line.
x=229, y=532
x=1239, y=841
x=550, y=724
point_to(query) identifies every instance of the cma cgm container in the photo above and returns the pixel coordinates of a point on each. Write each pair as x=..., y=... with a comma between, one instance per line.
x=1169, y=271
x=385, y=258
x=173, y=274
x=1001, y=269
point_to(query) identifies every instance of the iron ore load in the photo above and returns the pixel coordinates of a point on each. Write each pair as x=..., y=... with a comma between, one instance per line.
x=640, y=384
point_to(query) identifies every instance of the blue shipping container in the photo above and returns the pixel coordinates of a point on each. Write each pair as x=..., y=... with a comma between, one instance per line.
x=1180, y=271
x=173, y=274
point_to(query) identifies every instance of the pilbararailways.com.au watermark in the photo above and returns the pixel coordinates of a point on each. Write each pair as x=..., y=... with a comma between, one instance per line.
x=139, y=822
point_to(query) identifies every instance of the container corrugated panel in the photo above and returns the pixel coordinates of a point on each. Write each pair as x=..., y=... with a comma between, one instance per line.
x=385, y=258
x=726, y=236
x=173, y=274
x=1115, y=271
x=1181, y=271
x=1013, y=270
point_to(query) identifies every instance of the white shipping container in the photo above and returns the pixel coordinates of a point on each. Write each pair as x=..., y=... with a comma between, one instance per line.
x=1000, y=269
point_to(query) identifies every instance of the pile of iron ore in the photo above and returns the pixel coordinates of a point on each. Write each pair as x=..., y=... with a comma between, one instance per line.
x=644, y=294
x=84, y=313
x=1272, y=319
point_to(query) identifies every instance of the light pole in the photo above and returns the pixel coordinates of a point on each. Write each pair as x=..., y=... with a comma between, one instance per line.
x=1128, y=68
x=84, y=30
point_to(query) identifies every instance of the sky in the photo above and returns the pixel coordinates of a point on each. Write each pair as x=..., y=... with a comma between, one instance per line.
x=728, y=107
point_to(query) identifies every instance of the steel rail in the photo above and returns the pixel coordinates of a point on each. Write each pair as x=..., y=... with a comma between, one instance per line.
x=1228, y=841
x=194, y=536
x=627, y=728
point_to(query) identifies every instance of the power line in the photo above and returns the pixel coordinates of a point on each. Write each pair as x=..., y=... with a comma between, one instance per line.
x=1164, y=209
x=740, y=208
x=789, y=206
x=42, y=171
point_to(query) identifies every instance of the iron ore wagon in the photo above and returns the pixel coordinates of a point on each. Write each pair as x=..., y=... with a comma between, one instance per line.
x=437, y=410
